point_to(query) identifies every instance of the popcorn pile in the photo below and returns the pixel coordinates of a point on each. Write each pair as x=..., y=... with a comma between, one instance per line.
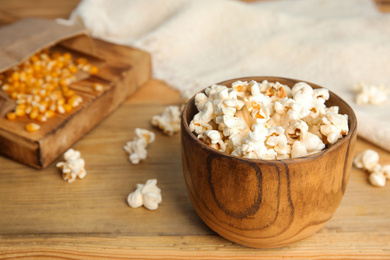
x=369, y=161
x=73, y=166
x=370, y=94
x=168, y=121
x=148, y=195
x=137, y=148
x=267, y=120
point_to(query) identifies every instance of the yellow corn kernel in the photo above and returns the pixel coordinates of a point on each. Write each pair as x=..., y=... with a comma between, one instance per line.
x=74, y=101
x=68, y=93
x=60, y=109
x=93, y=70
x=81, y=61
x=20, y=111
x=34, y=113
x=73, y=69
x=50, y=113
x=68, y=108
x=15, y=76
x=61, y=101
x=97, y=87
x=11, y=116
x=41, y=118
x=56, y=55
x=67, y=56
x=14, y=95
x=32, y=127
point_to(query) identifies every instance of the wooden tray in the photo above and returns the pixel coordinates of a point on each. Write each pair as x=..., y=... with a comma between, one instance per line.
x=121, y=71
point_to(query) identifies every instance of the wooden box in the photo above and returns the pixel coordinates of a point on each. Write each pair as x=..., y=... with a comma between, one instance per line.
x=121, y=71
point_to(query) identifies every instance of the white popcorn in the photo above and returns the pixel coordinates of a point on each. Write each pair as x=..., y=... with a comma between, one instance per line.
x=377, y=179
x=200, y=100
x=321, y=94
x=231, y=124
x=370, y=94
x=296, y=130
x=276, y=91
x=73, y=166
x=386, y=171
x=303, y=94
x=135, y=199
x=312, y=142
x=168, y=121
x=368, y=160
x=137, y=147
x=242, y=88
x=333, y=126
x=213, y=138
x=267, y=120
x=210, y=91
x=148, y=195
x=298, y=150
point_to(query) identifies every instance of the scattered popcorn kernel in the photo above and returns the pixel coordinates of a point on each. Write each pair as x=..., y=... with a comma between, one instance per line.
x=266, y=120
x=168, y=121
x=368, y=160
x=137, y=147
x=32, y=127
x=377, y=179
x=370, y=94
x=148, y=195
x=73, y=167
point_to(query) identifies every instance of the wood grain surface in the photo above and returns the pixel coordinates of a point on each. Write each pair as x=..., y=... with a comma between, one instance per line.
x=43, y=216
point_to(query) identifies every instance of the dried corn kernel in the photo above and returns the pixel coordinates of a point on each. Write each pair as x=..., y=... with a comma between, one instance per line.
x=32, y=127
x=11, y=116
x=40, y=85
x=94, y=70
x=97, y=87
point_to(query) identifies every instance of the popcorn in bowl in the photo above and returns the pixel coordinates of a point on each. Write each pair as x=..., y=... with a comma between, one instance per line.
x=267, y=120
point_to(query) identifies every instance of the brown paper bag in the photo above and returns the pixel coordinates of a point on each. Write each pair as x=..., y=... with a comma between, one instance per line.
x=22, y=39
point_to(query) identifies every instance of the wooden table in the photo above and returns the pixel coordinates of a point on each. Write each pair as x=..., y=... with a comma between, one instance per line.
x=41, y=215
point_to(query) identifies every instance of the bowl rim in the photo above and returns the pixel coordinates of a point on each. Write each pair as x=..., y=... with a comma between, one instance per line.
x=352, y=122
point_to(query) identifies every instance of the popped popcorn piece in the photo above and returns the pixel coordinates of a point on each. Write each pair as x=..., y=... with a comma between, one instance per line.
x=386, y=171
x=370, y=94
x=137, y=147
x=296, y=130
x=312, y=142
x=148, y=195
x=334, y=126
x=168, y=121
x=368, y=160
x=201, y=121
x=73, y=166
x=298, y=150
x=213, y=138
x=377, y=179
x=267, y=120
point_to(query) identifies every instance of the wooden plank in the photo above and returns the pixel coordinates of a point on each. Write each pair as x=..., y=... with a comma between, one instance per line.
x=122, y=71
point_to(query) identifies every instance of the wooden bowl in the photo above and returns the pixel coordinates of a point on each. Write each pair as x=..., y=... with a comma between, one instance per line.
x=266, y=203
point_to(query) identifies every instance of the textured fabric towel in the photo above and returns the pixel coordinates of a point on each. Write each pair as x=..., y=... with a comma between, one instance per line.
x=195, y=43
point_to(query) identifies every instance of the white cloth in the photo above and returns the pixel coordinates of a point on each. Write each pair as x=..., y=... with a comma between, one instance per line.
x=195, y=43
